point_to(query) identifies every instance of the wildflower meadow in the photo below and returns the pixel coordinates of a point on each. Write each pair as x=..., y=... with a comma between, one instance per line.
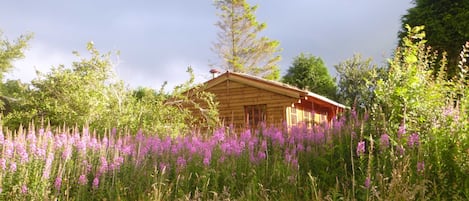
x=326, y=162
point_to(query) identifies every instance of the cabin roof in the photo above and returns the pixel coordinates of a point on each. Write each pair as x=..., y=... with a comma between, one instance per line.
x=270, y=85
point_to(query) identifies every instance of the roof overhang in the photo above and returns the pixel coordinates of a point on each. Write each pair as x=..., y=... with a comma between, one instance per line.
x=273, y=86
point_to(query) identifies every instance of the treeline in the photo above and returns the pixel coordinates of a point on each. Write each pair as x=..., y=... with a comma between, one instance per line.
x=89, y=93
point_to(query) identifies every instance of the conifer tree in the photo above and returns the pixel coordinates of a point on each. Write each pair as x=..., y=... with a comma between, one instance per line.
x=239, y=47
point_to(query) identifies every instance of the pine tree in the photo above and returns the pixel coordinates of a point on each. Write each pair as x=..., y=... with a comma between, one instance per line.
x=239, y=47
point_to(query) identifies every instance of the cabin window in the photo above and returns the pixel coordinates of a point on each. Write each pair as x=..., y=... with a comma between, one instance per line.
x=255, y=114
x=307, y=118
x=293, y=116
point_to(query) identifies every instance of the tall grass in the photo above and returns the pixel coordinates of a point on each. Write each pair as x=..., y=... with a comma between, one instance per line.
x=343, y=161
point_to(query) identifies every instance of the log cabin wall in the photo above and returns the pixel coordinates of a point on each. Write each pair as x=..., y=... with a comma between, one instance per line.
x=235, y=98
x=306, y=113
x=245, y=101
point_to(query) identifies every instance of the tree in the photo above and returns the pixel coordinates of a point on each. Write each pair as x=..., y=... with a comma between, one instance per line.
x=10, y=51
x=357, y=80
x=310, y=73
x=239, y=47
x=89, y=93
x=446, y=24
x=78, y=95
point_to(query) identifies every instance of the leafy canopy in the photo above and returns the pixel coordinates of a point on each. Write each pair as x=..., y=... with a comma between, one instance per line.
x=310, y=73
x=89, y=93
x=357, y=81
x=10, y=51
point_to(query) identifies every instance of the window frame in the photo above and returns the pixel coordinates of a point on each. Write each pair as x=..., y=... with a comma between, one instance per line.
x=254, y=115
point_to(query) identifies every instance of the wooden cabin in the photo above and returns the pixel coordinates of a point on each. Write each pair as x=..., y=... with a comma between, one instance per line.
x=245, y=101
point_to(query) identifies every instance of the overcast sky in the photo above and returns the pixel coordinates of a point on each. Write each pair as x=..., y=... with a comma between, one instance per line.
x=158, y=39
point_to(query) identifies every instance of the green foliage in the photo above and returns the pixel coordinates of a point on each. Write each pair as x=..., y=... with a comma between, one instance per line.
x=239, y=47
x=410, y=96
x=310, y=73
x=76, y=95
x=10, y=51
x=357, y=81
x=413, y=101
x=17, y=100
x=88, y=93
x=446, y=23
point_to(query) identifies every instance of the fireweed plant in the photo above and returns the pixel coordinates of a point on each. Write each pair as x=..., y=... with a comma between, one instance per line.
x=337, y=161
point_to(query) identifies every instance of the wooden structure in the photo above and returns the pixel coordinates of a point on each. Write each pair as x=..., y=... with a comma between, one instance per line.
x=245, y=101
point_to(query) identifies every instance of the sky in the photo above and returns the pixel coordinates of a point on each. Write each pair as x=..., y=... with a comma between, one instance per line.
x=159, y=39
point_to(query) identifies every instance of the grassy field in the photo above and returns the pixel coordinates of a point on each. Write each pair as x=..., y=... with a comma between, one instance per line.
x=343, y=161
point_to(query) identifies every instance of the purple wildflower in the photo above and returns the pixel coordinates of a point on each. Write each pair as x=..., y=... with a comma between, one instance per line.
x=24, y=189
x=24, y=157
x=104, y=165
x=318, y=137
x=384, y=139
x=95, y=183
x=2, y=137
x=361, y=148
x=67, y=152
x=163, y=166
x=294, y=163
x=420, y=166
x=413, y=140
x=58, y=182
x=8, y=147
x=13, y=166
x=181, y=161
x=206, y=161
x=401, y=131
x=261, y=155
x=48, y=165
x=367, y=182
x=219, y=135
x=400, y=150
x=3, y=163
x=300, y=147
x=40, y=153
x=277, y=137
x=82, y=180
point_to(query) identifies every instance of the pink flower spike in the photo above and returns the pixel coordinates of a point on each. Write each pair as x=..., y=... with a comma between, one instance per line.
x=24, y=189
x=82, y=180
x=58, y=183
x=367, y=182
x=3, y=164
x=361, y=148
x=12, y=166
x=95, y=183
x=401, y=131
x=420, y=166
x=413, y=140
x=384, y=140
